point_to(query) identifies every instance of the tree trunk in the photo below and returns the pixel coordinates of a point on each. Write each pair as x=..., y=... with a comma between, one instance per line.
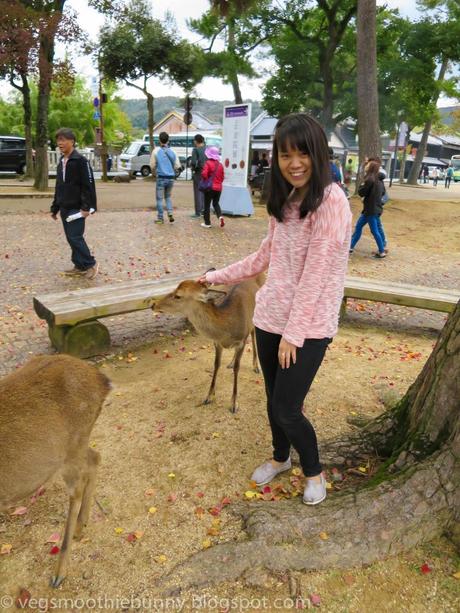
x=413, y=497
x=328, y=91
x=368, y=107
x=45, y=63
x=27, y=113
x=150, y=120
x=26, y=104
x=233, y=77
x=415, y=170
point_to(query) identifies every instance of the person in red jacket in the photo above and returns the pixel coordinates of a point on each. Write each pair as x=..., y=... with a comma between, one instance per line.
x=213, y=168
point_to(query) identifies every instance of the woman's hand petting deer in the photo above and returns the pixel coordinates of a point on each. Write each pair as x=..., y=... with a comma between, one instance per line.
x=297, y=309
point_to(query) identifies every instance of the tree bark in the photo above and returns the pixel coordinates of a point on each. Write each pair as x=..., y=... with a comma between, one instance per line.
x=231, y=49
x=368, y=105
x=45, y=63
x=415, y=170
x=27, y=113
x=412, y=498
x=150, y=119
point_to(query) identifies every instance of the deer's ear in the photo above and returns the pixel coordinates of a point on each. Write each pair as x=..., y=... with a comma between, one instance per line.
x=209, y=295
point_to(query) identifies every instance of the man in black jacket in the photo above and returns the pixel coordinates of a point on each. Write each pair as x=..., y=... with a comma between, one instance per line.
x=75, y=193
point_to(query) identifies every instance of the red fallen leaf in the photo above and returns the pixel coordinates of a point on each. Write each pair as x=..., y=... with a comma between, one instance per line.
x=425, y=569
x=225, y=501
x=172, y=497
x=200, y=495
x=267, y=490
x=199, y=511
x=315, y=600
x=167, y=355
x=215, y=510
x=54, y=550
x=23, y=599
x=19, y=511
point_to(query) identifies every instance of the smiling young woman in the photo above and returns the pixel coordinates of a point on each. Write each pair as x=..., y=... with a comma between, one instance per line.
x=297, y=309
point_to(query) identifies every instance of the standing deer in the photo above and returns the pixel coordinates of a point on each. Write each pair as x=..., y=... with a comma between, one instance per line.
x=47, y=411
x=228, y=322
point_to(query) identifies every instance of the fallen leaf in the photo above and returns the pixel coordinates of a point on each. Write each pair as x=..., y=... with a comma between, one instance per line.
x=362, y=469
x=161, y=559
x=199, y=511
x=206, y=544
x=149, y=492
x=323, y=536
x=119, y=530
x=5, y=548
x=456, y=575
x=225, y=501
x=425, y=569
x=54, y=538
x=315, y=600
x=296, y=472
x=23, y=598
x=152, y=510
x=19, y=511
x=172, y=475
x=54, y=550
x=249, y=494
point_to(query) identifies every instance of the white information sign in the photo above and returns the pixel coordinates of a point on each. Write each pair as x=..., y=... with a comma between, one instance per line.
x=235, y=198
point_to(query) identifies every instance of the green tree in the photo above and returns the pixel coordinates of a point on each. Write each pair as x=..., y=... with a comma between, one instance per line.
x=136, y=46
x=230, y=24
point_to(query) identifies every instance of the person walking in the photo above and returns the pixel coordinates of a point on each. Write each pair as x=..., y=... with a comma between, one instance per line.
x=449, y=175
x=297, y=309
x=425, y=173
x=372, y=192
x=164, y=163
x=435, y=175
x=197, y=164
x=74, y=194
x=214, y=171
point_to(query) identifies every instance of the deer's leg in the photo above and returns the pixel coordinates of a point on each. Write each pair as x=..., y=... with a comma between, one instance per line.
x=94, y=459
x=236, y=369
x=217, y=361
x=75, y=482
x=255, y=361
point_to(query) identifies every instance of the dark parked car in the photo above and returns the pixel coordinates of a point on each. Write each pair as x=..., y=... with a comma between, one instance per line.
x=12, y=154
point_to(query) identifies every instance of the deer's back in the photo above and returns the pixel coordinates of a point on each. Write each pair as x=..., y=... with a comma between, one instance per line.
x=47, y=410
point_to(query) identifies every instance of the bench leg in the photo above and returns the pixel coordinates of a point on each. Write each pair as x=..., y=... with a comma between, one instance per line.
x=343, y=309
x=83, y=340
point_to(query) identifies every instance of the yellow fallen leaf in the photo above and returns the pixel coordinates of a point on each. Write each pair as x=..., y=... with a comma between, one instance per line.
x=296, y=472
x=250, y=494
x=215, y=435
x=118, y=394
x=5, y=548
x=323, y=536
x=119, y=530
x=172, y=475
x=216, y=522
x=206, y=544
x=328, y=485
x=456, y=575
x=362, y=469
x=152, y=510
x=138, y=534
x=161, y=559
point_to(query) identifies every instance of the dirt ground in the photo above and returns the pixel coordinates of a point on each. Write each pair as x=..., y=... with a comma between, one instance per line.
x=172, y=468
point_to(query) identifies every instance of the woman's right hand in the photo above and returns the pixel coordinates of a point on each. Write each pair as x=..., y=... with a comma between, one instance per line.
x=202, y=280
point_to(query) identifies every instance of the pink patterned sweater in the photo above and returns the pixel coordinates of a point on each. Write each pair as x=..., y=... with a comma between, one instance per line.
x=307, y=262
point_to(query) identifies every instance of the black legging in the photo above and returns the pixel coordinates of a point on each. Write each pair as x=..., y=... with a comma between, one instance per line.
x=214, y=197
x=286, y=390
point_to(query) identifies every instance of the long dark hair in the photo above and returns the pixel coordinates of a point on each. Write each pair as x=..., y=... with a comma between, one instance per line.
x=372, y=171
x=302, y=132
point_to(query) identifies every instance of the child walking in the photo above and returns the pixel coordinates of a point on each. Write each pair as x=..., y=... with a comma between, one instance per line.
x=213, y=169
x=297, y=309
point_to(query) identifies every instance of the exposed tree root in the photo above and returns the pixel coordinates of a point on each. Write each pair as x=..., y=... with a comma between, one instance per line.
x=375, y=522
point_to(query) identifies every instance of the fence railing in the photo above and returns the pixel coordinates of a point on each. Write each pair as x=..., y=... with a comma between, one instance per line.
x=94, y=160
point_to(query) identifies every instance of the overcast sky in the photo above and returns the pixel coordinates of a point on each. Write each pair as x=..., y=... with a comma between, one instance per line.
x=183, y=10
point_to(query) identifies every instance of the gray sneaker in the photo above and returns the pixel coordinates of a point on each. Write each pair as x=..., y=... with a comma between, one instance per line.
x=266, y=472
x=314, y=492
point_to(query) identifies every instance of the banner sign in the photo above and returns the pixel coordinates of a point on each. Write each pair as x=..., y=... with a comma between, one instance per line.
x=235, y=144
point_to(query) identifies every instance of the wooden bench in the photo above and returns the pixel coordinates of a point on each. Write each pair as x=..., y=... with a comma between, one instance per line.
x=419, y=296
x=73, y=316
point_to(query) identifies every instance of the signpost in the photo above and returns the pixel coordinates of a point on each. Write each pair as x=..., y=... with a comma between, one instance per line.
x=187, y=120
x=235, y=199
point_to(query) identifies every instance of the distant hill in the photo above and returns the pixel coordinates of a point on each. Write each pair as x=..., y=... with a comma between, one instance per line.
x=136, y=109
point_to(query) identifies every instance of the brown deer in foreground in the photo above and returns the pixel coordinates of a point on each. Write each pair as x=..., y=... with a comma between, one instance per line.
x=228, y=322
x=47, y=411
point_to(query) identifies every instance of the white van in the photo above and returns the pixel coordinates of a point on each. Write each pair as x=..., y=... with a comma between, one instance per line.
x=136, y=158
x=182, y=143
